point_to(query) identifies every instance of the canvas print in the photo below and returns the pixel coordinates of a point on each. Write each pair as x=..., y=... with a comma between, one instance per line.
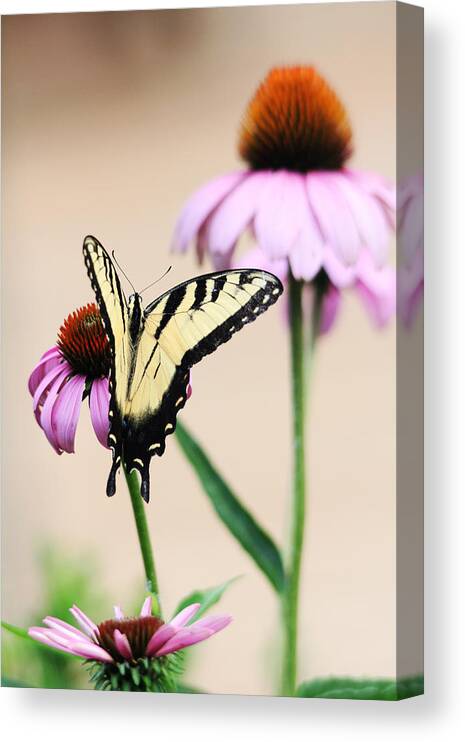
x=212, y=351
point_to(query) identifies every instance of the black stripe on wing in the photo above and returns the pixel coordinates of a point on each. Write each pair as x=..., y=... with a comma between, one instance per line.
x=148, y=437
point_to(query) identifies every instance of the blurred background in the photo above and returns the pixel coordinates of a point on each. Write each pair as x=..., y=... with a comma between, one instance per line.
x=110, y=120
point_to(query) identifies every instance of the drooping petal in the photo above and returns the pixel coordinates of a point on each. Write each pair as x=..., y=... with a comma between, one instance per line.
x=122, y=644
x=48, y=637
x=118, y=612
x=329, y=308
x=65, y=413
x=91, y=652
x=279, y=216
x=235, y=213
x=376, y=288
x=339, y=274
x=99, y=404
x=199, y=206
x=369, y=216
x=377, y=186
x=46, y=415
x=159, y=638
x=334, y=217
x=184, y=638
x=379, y=307
x=184, y=616
x=146, y=609
x=49, y=359
x=306, y=256
x=86, y=623
x=43, y=387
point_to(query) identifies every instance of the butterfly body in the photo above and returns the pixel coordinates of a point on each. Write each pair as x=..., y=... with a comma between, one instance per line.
x=153, y=349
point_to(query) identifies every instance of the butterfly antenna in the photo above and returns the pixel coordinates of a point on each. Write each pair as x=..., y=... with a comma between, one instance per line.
x=158, y=279
x=124, y=274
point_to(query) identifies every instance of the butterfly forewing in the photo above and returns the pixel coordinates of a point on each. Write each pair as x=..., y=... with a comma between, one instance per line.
x=114, y=311
x=179, y=329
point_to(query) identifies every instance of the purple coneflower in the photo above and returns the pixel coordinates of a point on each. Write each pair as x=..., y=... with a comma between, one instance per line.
x=326, y=223
x=130, y=653
x=76, y=367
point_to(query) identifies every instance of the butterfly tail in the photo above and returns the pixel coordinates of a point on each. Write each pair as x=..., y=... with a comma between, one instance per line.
x=111, y=483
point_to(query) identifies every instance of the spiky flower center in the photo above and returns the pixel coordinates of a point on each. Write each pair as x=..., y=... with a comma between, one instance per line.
x=138, y=631
x=295, y=121
x=84, y=344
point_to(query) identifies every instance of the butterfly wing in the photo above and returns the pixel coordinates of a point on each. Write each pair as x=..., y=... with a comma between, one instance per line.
x=113, y=308
x=181, y=327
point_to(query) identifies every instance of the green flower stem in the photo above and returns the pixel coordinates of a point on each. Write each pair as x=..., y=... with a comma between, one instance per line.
x=301, y=362
x=143, y=534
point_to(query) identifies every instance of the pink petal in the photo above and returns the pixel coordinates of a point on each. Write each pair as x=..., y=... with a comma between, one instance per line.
x=213, y=623
x=122, y=644
x=235, y=213
x=184, y=616
x=86, y=623
x=377, y=186
x=199, y=631
x=184, y=638
x=306, y=254
x=118, y=612
x=91, y=652
x=377, y=289
x=333, y=216
x=370, y=218
x=42, y=387
x=65, y=413
x=46, y=415
x=65, y=628
x=99, y=403
x=380, y=309
x=199, y=206
x=279, y=216
x=146, y=609
x=45, y=636
x=159, y=638
x=48, y=360
x=339, y=274
x=329, y=308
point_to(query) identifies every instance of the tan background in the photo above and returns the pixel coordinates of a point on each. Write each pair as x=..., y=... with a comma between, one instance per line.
x=109, y=121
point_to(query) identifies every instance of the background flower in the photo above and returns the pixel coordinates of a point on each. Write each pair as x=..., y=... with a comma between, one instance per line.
x=301, y=203
x=121, y=645
x=78, y=366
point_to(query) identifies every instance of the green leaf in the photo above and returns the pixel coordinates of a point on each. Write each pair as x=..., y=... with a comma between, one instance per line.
x=368, y=689
x=10, y=683
x=234, y=515
x=22, y=634
x=206, y=598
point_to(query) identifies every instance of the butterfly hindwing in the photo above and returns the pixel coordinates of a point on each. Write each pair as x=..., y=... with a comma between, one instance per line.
x=181, y=327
